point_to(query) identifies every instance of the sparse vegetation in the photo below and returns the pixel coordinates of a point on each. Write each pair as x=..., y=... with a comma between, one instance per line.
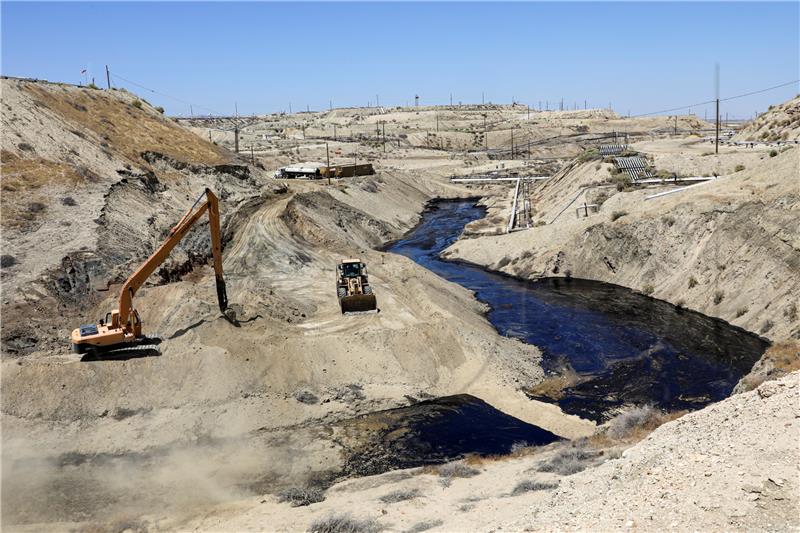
x=7, y=261
x=766, y=327
x=773, y=153
x=137, y=104
x=400, y=496
x=790, y=312
x=669, y=220
x=718, y=297
x=692, y=282
x=741, y=311
x=648, y=289
x=68, y=201
x=617, y=215
x=344, y=523
x=622, y=425
x=531, y=486
x=160, y=109
x=738, y=168
x=449, y=471
x=424, y=526
x=300, y=497
x=570, y=459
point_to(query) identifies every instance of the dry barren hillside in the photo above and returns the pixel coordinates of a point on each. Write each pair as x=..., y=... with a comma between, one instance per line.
x=780, y=123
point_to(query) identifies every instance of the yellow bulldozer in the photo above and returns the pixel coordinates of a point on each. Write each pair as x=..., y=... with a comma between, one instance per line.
x=352, y=287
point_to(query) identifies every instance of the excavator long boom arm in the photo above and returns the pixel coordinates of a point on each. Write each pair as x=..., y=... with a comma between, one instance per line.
x=137, y=279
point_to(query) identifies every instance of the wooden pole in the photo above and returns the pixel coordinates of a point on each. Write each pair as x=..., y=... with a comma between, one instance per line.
x=716, y=144
x=108, y=78
x=328, y=159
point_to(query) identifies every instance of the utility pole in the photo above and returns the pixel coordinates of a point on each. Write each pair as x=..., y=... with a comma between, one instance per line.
x=304, y=131
x=585, y=105
x=676, y=124
x=328, y=158
x=290, y=108
x=529, y=111
x=377, y=100
x=716, y=84
x=512, y=142
x=485, y=133
x=384, y=137
x=330, y=105
x=437, y=121
x=252, y=155
x=191, y=110
x=451, y=99
x=236, y=137
x=108, y=78
x=483, y=100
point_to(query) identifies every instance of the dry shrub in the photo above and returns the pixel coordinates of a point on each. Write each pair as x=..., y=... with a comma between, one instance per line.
x=570, y=459
x=400, y=496
x=780, y=359
x=300, y=497
x=424, y=526
x=635, y=423
x=344, y=523
x=457, y=469
x=531, y=486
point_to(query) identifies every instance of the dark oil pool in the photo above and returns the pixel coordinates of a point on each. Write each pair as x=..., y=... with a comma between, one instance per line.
x=626, y=348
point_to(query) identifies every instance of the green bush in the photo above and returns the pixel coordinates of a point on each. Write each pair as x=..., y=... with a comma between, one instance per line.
x=160, y=109
x=137, y=104
x=738, y=168
x=718, y=297
x=773, y=153
x=618, y=214
x=692, y=282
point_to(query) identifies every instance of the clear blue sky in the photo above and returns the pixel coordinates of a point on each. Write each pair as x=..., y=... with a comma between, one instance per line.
x=641, y=57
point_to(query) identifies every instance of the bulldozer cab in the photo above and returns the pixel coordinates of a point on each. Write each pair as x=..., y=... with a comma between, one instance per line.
x=352, y=287
x=351, y=268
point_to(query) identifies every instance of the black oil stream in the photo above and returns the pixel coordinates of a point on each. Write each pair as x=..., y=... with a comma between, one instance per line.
x=626, y=348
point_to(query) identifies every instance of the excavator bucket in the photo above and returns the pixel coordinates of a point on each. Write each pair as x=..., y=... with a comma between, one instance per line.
x=358, y=303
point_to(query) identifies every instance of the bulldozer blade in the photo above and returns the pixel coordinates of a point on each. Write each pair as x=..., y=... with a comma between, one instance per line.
x=357, y=303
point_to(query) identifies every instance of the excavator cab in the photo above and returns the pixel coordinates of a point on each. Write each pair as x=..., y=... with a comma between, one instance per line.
x=352, y=287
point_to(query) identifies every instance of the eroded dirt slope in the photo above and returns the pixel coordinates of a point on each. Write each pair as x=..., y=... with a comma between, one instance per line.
x=91, y=183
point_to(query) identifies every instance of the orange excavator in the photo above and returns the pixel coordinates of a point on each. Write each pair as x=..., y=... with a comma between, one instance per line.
x=122, y=327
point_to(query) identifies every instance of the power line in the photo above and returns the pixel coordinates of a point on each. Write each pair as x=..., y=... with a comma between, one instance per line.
x=721, y=99
x=117, y=76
